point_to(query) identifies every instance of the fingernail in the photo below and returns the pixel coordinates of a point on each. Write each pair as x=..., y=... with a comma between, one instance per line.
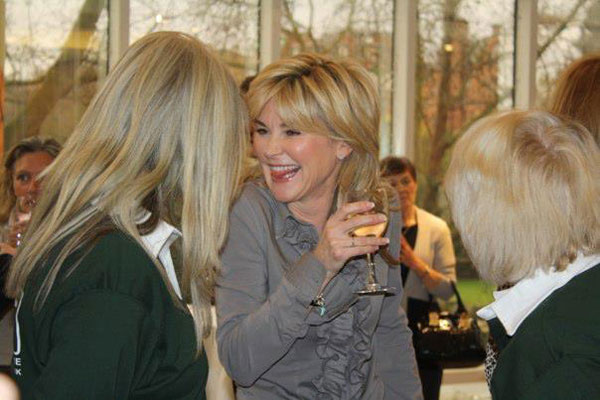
x=387, y=240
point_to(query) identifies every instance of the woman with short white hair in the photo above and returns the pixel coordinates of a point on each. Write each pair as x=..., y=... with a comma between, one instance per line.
x=156, y=159
x=524, y=189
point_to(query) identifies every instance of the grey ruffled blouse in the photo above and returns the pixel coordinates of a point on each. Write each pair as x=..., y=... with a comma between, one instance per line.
x=275, y=345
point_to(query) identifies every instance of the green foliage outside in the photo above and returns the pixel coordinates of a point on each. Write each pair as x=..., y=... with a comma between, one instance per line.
x=475, y=293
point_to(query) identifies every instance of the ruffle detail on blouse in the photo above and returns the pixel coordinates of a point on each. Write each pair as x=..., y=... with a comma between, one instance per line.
x=343, y=344
x=300, y=236
x=345, y=348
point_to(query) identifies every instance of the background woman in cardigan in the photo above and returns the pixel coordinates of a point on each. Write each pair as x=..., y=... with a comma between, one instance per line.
x=100, y=312
x=427, y=255
x=523, y=190
x=290, y=323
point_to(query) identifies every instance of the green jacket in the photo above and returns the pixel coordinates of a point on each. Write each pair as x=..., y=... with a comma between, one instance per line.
x=555, y=353
x=109, y=330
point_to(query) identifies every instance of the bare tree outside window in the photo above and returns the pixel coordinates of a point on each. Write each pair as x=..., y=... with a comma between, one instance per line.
x=567, y=30
x=230, y=27
x=465, y=63
x=465, y=71
x=359, y=29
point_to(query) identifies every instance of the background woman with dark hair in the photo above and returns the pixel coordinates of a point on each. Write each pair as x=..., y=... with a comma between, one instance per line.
x=427, y=255
x=19, y=186
x=19, y=192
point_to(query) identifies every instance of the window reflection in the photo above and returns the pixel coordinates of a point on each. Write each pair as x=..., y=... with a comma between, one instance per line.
x=56, y=53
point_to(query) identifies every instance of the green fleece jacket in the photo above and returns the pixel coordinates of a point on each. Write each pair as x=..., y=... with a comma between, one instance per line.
x=109, y=330
x=555, y=353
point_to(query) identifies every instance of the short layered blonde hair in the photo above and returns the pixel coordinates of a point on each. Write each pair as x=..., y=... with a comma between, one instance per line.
x=523, y=189
x=338, y=99
x=166, y=132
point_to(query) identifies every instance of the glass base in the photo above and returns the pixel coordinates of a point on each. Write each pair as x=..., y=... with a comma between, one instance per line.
x=376, y=288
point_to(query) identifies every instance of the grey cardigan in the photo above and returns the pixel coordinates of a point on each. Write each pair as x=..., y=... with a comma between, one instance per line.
x=275, y=345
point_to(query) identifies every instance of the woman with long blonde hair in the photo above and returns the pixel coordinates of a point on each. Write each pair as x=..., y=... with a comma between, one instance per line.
x=291, y=322
x=155, y=159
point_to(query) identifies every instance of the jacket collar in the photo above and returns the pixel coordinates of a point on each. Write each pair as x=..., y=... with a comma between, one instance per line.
x=513, y=306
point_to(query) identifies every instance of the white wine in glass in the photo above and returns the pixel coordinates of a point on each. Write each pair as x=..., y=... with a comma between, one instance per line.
x=377, y=230
x=371, y=230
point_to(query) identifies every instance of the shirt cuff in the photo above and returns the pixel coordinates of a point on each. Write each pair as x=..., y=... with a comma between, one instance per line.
x=307, y=276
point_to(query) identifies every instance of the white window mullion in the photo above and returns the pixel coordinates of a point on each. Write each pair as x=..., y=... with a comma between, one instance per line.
x=404, y=77
x=525, y=50
x=269, y=31
x=118, y=30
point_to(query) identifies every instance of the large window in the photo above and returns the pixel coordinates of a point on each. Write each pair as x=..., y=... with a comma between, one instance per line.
x=56, y=52
x=230, y=27
x=358, y=29
x=464, y=72
x=567, y=30
x=465, y=64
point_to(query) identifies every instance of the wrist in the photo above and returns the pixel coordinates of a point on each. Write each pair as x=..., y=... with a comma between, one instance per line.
x=425, y=271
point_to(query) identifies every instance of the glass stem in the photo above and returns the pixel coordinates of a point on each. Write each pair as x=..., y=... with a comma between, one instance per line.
x=371, y=267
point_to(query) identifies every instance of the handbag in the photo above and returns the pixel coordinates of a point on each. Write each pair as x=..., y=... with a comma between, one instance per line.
x=448, y=339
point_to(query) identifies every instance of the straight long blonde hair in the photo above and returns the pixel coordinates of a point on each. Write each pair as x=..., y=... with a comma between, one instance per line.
x=166, y=132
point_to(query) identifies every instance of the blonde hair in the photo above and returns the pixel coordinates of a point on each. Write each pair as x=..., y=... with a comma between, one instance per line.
x=165, y=132
x=338, y=99
x=28, y=145
x=577, y=94
x=523, y=189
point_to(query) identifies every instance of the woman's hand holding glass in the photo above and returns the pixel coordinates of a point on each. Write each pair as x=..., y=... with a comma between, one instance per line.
x=337, y=245
x=13, y=234
x=379, y=199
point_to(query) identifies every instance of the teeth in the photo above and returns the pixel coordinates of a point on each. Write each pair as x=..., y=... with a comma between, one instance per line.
x=280, y=168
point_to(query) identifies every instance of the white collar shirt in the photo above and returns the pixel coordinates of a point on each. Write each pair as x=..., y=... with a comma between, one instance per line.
x=513, y=305
x=158, y=243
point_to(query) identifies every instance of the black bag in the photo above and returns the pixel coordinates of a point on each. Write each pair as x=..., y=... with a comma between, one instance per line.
x=451, y=340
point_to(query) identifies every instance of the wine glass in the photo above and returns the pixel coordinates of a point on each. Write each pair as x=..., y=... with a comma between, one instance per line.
x=379, y=198
x=25, y=208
